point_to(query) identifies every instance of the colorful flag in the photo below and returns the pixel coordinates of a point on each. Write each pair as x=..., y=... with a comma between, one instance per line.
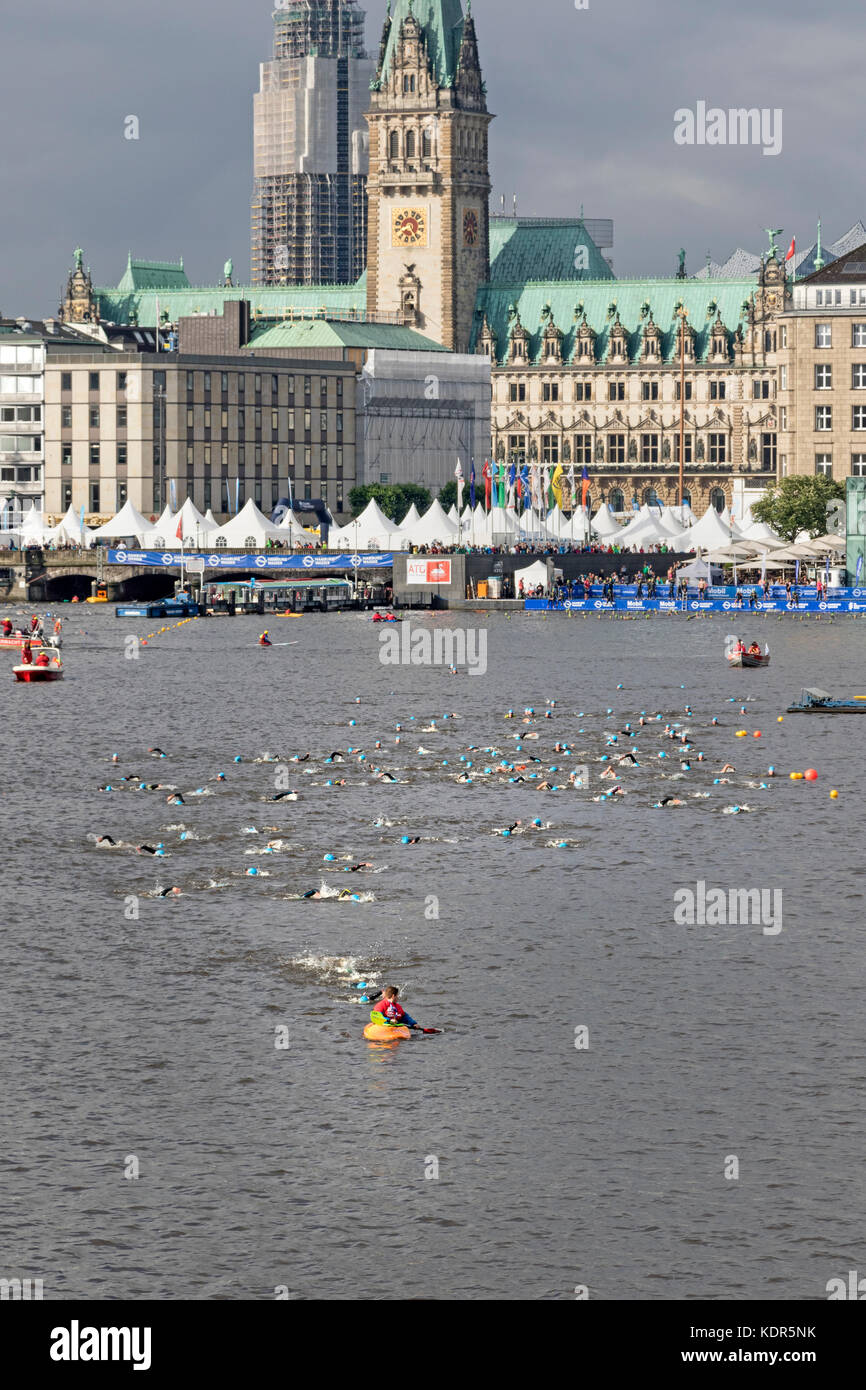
x=458, y=473
x=792, y=249
x=512, y=480
x=556, y=484
x=172, y=492
x=237, y=495
x=179, y=531
x=584, y=486
x=526, y=486
x=472, y=484
x=859, y=567
x=501, y=488
x=487, y=474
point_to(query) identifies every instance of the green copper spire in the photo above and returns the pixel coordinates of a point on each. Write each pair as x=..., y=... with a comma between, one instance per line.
x=441, y=24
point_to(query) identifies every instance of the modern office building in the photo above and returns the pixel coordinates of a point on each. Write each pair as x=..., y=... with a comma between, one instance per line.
x=822, y=371
x=309, y=205
x=220, y=430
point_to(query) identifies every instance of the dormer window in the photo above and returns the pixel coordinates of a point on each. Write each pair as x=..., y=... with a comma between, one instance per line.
x=408, y=83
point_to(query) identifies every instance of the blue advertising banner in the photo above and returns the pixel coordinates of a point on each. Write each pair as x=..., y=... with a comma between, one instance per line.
x=213, y=560
x=696, y=605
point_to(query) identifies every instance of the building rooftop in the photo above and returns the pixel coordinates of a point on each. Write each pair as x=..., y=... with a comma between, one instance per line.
x=543, y=248
x=442, y=25
x=326, y=333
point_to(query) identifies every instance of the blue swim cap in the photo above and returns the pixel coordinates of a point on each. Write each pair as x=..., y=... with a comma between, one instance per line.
x=238, y=758
x=404, y=839
x=251, y=872
x=329, y=858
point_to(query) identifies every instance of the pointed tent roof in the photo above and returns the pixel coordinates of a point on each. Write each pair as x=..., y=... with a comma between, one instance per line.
x=711, y=532
x=434, y=525
x=410, y=519
x=162, y=529
x=442, y=26
x=372, y=527
x=127, y=522
x=70, y=528
x=604, y=523
x=250, y=523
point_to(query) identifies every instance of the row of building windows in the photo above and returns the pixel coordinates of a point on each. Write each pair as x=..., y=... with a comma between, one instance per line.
x=645, y=449
x=205, y=381
x=824, y=465
x=204, y=454
x=824, y=335
x=8, y=474
x=407, y=147
x=20, y=385
x=650, y=390
x=834, y=296
x=824, y=417
x=824, y=376
x=29, y=414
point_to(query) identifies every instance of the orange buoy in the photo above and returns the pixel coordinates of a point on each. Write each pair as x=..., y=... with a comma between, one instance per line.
x=757, y=734
x=810, y=774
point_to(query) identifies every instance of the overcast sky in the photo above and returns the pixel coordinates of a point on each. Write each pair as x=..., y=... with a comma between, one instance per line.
x=584, y=100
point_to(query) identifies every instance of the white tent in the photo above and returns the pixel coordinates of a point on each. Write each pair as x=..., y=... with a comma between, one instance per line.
x=532, y=576
x=604, y=523
x=677, y=519
x=128, y=522
x=557, y=522
x=710, y=533
x=532, y=526
x=372, y=529
x=433, y=526
x=69, y=530
x=249, y=530
x=452, y=513
x=760, y=531
x=579, y=530
x=33, y=530
x=158, y=536
x=413, y=515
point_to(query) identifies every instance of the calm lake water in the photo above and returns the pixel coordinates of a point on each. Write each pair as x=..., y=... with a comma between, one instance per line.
x=153, y=1038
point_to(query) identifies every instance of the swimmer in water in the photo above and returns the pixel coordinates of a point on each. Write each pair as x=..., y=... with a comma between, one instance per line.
x=157, y=752
x=361, y=868
x=146, y=849
x=386, y=777
x=728, y=767
x=169, y=893
x=670, y=801
x=105, y=842
x=411, y=840
x=175, y=799
x=285, y=796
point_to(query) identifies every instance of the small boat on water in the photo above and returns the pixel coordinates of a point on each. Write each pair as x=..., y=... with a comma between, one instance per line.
x=820, y=702
x=385, y=618
x=32, y=674
x=749, y=658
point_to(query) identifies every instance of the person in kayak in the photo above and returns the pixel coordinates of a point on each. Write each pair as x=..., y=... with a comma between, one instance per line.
x=388, y=1012
x=7, y=627
x=264, y=639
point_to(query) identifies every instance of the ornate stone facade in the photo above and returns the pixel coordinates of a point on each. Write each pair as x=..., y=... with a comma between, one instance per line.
x=79, y=305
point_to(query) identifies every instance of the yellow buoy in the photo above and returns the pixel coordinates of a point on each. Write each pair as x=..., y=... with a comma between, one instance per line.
x=741, y=733
x=781, y=719
x=833, y=795
x=796, y=776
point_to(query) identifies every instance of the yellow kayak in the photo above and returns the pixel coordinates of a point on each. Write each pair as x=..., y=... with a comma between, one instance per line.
x=383, y=1032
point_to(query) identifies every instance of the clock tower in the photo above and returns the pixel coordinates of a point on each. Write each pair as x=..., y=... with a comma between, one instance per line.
x=429, y=183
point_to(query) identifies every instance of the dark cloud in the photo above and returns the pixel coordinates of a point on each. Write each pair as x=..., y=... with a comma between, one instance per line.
x=585, y=103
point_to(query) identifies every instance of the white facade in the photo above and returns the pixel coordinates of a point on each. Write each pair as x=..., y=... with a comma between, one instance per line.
x=22, y=394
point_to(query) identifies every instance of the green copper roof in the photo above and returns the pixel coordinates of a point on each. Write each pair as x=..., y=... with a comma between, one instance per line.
x=543, y=248
x=325, y=333
x=601, y=301
x=442, y=24
x=154, y=275
x=266, y=301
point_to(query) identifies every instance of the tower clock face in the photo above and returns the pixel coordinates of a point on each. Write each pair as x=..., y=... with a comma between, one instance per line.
x=409, y=227
x=471, y=229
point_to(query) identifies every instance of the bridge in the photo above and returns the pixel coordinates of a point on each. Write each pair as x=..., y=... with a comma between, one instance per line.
x=35, y=575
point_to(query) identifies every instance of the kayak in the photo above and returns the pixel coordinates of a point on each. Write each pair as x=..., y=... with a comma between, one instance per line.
x=383, y=1032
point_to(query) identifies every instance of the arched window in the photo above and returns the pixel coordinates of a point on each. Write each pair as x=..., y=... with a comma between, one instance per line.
x=616, y=500
x=221, y=543
x=650, y=497
x=717, y=499
x=410, y=144
x=686, y=499
x=250, y=543
x=427, y=144
x=394, y=148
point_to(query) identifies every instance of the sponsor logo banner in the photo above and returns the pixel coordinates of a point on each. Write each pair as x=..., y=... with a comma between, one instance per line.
x=213, y=560
x=428, y=572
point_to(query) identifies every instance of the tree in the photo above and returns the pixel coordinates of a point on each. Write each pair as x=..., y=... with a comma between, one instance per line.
x=798, y=503
x=395, y=499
